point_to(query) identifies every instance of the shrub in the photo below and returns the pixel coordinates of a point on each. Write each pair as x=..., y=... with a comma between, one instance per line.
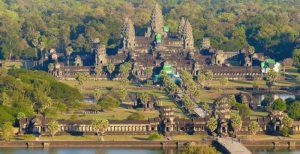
x=155, y=136
x=284, y=131
x=108, y=102
x=28, y=137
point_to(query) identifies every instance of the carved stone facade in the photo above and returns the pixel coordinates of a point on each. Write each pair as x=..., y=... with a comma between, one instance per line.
x=157, y=21
x=167, y=123
x=157, y=47
x=99, y=52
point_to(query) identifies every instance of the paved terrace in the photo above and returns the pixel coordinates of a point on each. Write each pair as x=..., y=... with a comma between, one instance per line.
x=233, y=146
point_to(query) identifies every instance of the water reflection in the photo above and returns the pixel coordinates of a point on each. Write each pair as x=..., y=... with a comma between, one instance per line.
x=271, y=150
x=260, y=97
x=88, y=151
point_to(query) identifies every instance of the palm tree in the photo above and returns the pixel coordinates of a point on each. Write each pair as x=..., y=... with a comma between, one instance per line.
x=202, y=79
x=144, y=97
x=80, y=77
x=41, y=46
x=53, y=127
x=110, y=68
x=251, y=51
x=212, y=124
x=50, y=67
x=69, y=51
x=148, y=72
x=21, y=115
x=98, y=69
x=236, y=122
x=100, y=125
x=254, y=127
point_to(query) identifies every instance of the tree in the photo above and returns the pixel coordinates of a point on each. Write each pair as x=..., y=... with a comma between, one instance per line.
x=244, y=110
x=294, y=110
x=212, y=124
x=251, y=51
x=98, y=69
x=144, y=98
x=205, y=106
x=21, y=115
x=236, y=122
x=271, y=78
x=192, y=148
x=279, y=104
x=50, y=67
x=81, y=77
x=232, y=100
x=287, y=121
x=284, y=131
x=108, y=102
x=100, y=126
x=69, y=51
x=296, y=58
x=202, y=79
x=254, y=127
x=6, y=131
x=110, y=68
x=53, y=128
x=209, y=75
x=223, y=81
x=148, y=71
x=124, y=69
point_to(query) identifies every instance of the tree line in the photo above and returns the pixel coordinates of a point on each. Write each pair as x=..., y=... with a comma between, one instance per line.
x=29, y=28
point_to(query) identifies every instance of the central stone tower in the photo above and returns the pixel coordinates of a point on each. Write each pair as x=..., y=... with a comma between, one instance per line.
x=157, y=21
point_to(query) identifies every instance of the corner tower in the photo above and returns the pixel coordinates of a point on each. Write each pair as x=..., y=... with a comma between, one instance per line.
x=188, y=39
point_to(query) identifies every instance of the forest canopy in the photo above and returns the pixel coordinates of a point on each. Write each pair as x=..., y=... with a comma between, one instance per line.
x=27, y=26
x=27, y=92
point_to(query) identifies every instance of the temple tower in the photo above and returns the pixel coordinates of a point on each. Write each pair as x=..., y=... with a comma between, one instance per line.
x=157, y=21
x=99, y=52
x=181, y=27
x=188, y=39
x=128, y=34
x=123, y=27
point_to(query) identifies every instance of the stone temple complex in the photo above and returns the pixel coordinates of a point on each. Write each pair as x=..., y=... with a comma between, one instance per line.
x=158, y=47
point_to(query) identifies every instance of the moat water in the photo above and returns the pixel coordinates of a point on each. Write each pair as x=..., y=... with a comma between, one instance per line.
x=255, y=150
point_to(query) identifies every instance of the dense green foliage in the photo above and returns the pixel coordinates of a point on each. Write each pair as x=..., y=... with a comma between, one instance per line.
x=155, y=136
x=23, y=92
x=279, y=104
x=6, y=131
x=294, y=110
x=192, y=148
x=108, y=102
x=28, y=27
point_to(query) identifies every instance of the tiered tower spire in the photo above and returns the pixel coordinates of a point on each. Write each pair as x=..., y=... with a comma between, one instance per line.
x=181, y=27
x=157, y=21
x=188, y=39
x=128, y=33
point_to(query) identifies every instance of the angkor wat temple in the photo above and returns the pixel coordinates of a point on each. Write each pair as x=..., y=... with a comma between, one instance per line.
x=166, y=123
x=157, y=48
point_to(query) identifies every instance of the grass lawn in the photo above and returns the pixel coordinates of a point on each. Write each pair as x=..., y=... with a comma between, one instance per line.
x=113, y=114
x=112, y=138
x=268, y=137
x=258, y=114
